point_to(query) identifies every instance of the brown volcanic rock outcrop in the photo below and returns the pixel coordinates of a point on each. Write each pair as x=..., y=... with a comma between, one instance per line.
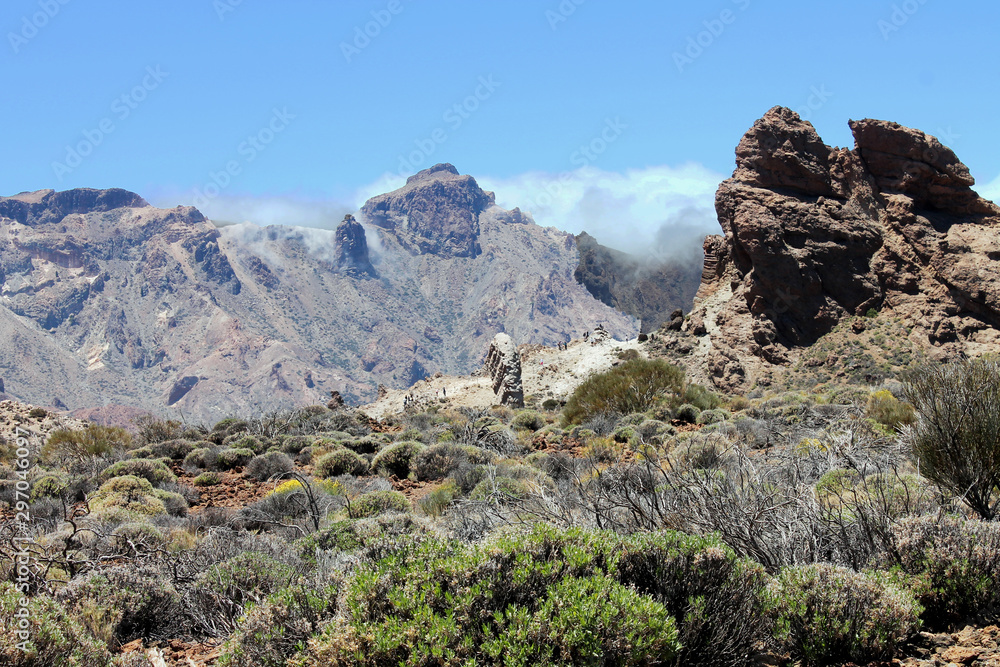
x=813, y=234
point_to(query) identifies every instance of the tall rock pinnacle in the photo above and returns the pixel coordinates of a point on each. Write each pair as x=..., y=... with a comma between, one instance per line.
x=352, y=249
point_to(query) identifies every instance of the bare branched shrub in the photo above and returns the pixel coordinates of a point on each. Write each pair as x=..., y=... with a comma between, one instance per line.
x=486, y=431
x=956, y=439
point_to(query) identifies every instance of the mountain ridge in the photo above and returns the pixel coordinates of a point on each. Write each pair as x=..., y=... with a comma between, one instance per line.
x=107, y=300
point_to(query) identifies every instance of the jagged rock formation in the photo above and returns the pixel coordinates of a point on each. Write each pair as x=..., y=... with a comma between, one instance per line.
x=814, y=234
x=352, y=249
x=107, y=301
x=436, y=212
x=503, y=363
x=647, y=291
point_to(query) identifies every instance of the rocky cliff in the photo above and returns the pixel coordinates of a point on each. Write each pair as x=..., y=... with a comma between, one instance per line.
x=814, y=235
x=645, y=289
x=107, y=300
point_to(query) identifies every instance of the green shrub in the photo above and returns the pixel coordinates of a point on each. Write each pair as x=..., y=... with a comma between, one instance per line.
x=374, y=503
x=713, y=416
x=49, y=486
x=528, y=419
x=94, y=440
x=224, y=590
x=125, y=602
x=266, y=466
x=174, y=449
x=955, y=568
x=202, y=457
x=155, y=471
x=174, y=503
x=53, y=637
x=294, y=444
x=687, y=413
x=234, y=458
x=957, y=437
x=827, y=614
x=142, y=453
x=835, y=483
x=888, y=410
x=207, y=479
x=341, y=462
x=437, y=501
x=396, y=459
x=633, y=386
x=700, y=397
x=255, y=445
x=438, y=461
x=129, y=493
x=270, y=633
x=548, y=597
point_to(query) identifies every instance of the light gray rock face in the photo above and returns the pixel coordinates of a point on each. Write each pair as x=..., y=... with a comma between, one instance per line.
x=503, y=363
x=106, y=300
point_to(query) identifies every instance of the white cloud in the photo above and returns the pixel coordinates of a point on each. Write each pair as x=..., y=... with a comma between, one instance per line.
x=655, y=211
x=269, y=210
x=642, y=211
x=991, y=190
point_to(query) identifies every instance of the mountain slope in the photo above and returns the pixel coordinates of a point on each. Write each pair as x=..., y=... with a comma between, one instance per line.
x=107, y=300
x=647, y=290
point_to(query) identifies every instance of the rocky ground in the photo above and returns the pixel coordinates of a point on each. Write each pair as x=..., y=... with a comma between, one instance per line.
x=976, y=647
x=546, y=372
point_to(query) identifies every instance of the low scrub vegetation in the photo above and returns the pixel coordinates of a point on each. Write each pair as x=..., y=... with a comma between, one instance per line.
x=649, y=521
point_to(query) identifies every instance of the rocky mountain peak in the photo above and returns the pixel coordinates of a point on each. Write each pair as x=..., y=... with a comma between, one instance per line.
x=48, y=206
x=352, y=249
x=814, y=234
x=783, y=151
x=440, y=168
x=437, y=212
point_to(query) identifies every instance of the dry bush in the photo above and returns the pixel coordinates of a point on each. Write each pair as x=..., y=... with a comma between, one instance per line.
x=269, y=465
x=956, y=439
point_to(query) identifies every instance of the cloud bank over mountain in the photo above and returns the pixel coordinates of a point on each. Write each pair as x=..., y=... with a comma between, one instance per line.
x=658, y=212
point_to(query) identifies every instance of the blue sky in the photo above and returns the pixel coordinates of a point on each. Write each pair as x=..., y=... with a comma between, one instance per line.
x=611, y=117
